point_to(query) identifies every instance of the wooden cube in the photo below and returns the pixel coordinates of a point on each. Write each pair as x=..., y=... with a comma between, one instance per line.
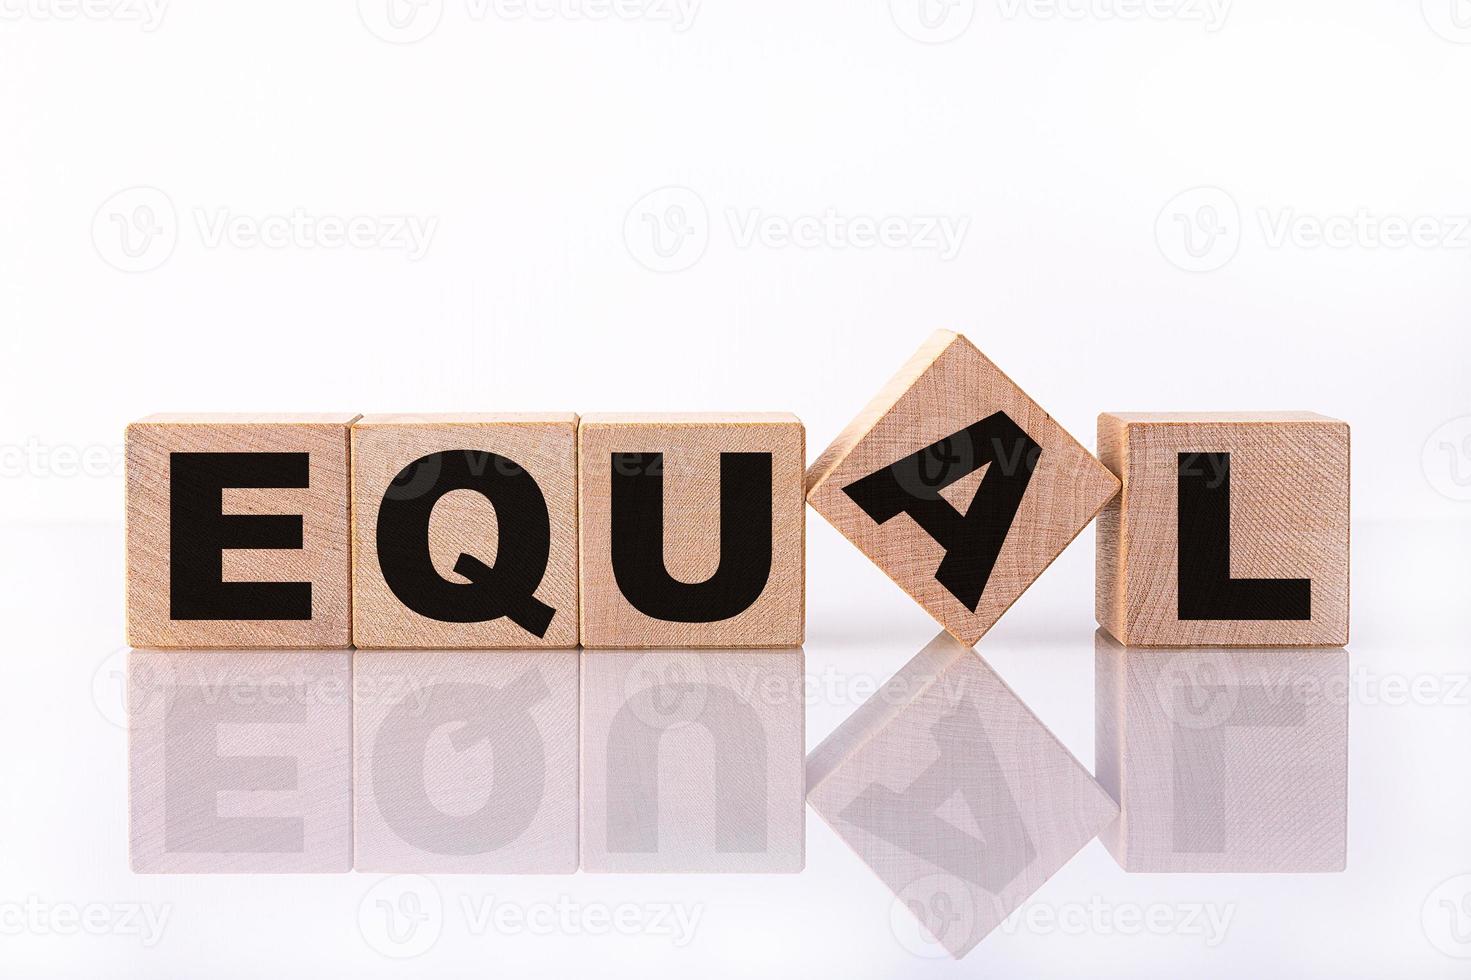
x=239, y=762
x=1232, y=529
x=1224, y=760
x=956, y=484
x=238, y=531
x=464, y=531
x=952, y=791
x=692, y=761
x=465, y=761
x=692, y=530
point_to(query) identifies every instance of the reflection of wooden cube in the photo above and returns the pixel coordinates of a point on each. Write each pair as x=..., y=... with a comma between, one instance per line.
x=478, y=514
x=237, y=531
x=1232, y=529
x=692, y=530
x=692, y=761
x=1224, y=760
x=952, y=791
x=239, y=762
x=956, y=484
x=466, y=761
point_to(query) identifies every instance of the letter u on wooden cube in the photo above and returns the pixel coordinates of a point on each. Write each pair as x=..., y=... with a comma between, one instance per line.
x=1232, y=529
x=464, y=531
x=238, y=531
x=692, y=530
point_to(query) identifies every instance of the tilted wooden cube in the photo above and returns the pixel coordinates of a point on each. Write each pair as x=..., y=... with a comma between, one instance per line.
x=238, y=531
x=692, y=530
x=954, y=793
x=464, y=531
x=1232, y=529
x=1224, y=759
x=465, y=761
x=239, y=761
x=956, y=484
x=692, y=761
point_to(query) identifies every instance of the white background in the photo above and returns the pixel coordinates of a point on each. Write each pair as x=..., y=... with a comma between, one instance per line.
x=1165, y=206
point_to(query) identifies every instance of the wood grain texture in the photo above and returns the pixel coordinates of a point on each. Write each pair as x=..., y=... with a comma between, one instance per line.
x=323, y=560
x=466, y=761
x=954, y=793
x=946, y=387
x=463, y=522
x=1289, y=507
x=1224, y=759
x=239, y=762
x=692, y=761
x=692, y=445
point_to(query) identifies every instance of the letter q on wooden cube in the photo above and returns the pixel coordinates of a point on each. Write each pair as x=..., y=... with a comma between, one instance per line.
x=464, y=531
x=692, y=530
x=958, y=485
x=1224, y=759
x=238, y=531
x=1232, y=529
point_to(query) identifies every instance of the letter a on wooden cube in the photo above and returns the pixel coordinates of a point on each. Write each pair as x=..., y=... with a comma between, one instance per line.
x=692, y=530
x=692, y=761
x=464, y=531
x=1232, y=529
x=1224, y=760
x=239, y=762
x=466, y=761
x=238, y=531
x=956, y=484
x=952, y=791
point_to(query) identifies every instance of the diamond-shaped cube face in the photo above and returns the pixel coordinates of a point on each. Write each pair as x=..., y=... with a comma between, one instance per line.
x=1224, y=760
x=1232, y=530
x=952, y=791
x=960, y=487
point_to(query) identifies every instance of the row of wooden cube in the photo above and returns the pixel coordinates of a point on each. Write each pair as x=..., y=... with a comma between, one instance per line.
x=466, y=531
x=506, y=531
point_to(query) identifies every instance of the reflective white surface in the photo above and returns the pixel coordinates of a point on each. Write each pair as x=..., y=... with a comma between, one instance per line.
x=1392, y=912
